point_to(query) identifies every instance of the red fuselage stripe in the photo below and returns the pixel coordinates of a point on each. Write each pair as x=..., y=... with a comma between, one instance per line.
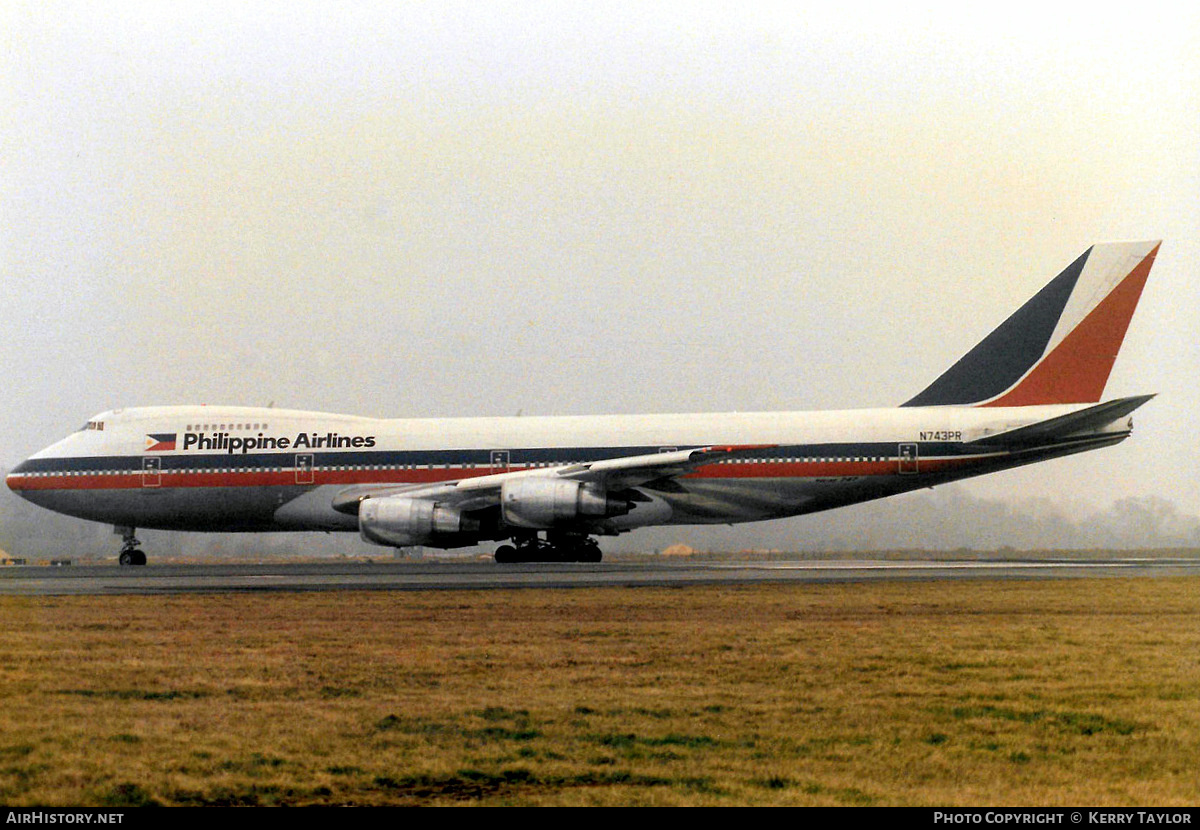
x=319, y=476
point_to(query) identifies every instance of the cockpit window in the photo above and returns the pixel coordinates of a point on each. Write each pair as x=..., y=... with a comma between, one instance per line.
x=92, y=425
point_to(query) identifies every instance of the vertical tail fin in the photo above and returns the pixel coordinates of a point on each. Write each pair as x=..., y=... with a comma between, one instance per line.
x=1060, y=346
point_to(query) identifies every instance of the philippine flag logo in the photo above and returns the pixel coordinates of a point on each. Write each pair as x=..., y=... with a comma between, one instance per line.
x=161, y=442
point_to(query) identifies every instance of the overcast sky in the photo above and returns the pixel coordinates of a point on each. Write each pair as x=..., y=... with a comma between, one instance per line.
x=433, y=209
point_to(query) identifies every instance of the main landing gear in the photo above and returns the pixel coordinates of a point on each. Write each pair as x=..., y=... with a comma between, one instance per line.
x=556, y=547
x=131, y=554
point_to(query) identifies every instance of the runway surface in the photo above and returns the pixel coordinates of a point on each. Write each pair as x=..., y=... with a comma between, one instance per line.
x=422, y=575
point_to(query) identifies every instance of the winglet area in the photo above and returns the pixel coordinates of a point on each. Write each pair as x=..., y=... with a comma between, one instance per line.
x=1060, y=346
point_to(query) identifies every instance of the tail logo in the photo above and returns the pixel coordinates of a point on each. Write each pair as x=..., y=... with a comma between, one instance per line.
x=1060, y=346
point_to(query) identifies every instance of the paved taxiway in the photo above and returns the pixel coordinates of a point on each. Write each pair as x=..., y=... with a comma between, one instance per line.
x=449, y=574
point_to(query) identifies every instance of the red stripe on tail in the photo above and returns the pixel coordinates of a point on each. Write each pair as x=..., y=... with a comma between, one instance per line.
x=1078, y=368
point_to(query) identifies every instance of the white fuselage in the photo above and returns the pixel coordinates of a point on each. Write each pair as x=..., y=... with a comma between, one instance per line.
x=239, y=468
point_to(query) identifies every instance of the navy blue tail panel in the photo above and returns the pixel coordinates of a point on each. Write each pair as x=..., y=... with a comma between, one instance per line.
x=1005, y=355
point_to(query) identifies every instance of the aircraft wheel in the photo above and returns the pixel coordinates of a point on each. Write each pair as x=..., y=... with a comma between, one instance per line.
x=582, y=550
x=132, y=557
x=506, y=553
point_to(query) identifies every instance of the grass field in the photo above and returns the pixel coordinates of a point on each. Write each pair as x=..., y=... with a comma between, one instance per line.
x=1063, y=692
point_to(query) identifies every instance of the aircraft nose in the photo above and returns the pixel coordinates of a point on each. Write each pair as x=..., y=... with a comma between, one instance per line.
x=15, y=480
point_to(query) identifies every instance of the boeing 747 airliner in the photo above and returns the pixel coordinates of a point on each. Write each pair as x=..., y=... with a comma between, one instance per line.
x=545, y=486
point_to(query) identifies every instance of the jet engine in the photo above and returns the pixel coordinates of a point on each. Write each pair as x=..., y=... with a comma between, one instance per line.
x=543, y=503
x=398, y=521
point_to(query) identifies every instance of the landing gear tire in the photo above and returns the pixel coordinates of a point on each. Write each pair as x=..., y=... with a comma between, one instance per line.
x=590, y=552
x=130, y=553
x=571, y=547
x=132, y=557
x=565, y=548
x=585, y=550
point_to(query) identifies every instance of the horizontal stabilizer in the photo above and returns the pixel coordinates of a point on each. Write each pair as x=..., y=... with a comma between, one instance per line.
x=1083, y=424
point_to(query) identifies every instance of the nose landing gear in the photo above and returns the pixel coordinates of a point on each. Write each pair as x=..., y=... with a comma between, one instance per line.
x=131, y=553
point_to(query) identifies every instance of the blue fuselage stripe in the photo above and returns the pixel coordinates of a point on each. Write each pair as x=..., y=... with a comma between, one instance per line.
x=458, y=458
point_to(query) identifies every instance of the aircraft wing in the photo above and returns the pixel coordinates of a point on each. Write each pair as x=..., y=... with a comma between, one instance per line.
x=619, y=473
x=613, y=474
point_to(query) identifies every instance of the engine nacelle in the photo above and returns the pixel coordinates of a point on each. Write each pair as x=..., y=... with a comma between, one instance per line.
x=542, y=503
x=398, y=521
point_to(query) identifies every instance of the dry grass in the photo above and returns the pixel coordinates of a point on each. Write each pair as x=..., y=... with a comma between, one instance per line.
x=1065, y=692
